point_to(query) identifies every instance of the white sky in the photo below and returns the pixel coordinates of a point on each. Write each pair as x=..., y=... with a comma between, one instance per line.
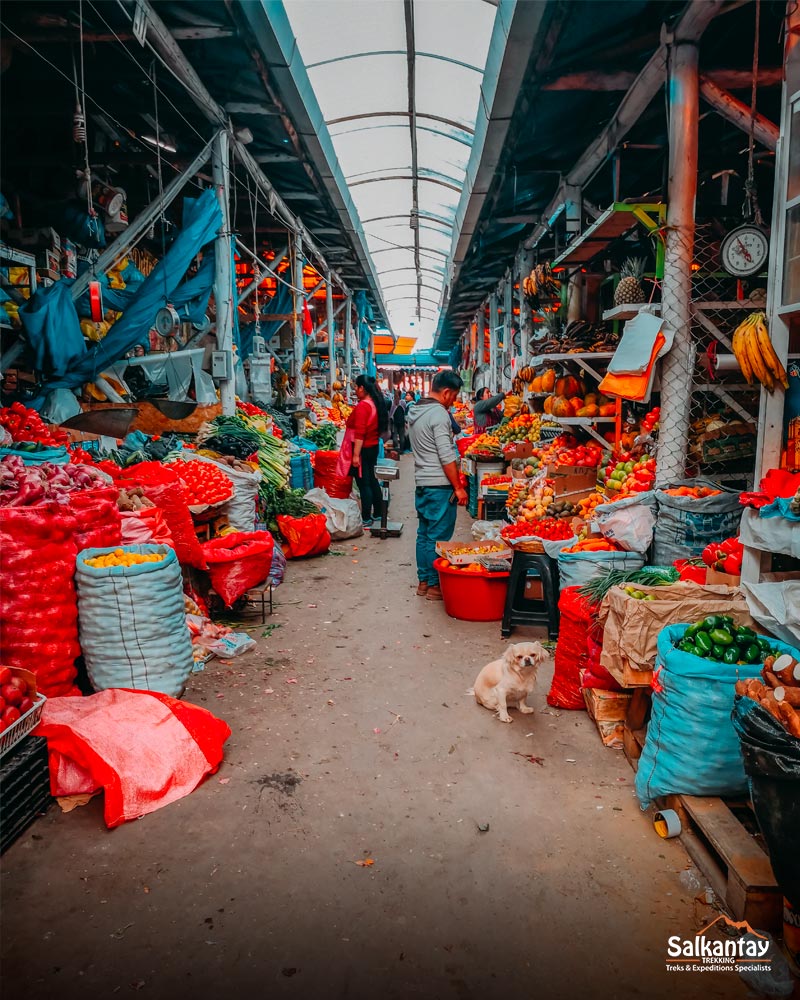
x=375, y=152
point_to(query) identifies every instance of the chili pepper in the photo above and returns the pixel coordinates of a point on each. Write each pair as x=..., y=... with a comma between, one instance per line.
x=703, y=643
x=721, y=636
x=731, y=655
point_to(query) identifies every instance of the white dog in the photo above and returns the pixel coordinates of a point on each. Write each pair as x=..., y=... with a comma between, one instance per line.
x=509, y=680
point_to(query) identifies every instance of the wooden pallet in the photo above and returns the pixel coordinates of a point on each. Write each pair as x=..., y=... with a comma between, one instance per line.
x=730, y=856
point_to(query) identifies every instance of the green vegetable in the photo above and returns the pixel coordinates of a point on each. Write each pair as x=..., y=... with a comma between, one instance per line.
x=743, y=632
x=751, y=653
x=731, y=655
x=651, y=576
x=692, y=630
x=722, y=636
x=687, y=646
x=764, y=644
x=712, y=621
x=717, y=652
x=323, y=436
x=703, y=643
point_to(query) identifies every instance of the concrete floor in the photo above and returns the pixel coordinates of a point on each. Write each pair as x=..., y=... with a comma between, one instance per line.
x=376, y=751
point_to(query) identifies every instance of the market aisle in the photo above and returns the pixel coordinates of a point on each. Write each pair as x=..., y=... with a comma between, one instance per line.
x=353, y=738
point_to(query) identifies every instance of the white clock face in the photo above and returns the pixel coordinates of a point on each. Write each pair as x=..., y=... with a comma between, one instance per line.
x=745, y=251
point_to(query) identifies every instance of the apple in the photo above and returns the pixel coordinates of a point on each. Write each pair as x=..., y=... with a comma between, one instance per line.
x=5, y=675
x=11, y=693
x=25, y=705
x=11, y=714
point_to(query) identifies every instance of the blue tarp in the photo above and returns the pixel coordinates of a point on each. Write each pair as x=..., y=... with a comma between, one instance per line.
x=54, y=333
x=281, y=302
x=202, y=219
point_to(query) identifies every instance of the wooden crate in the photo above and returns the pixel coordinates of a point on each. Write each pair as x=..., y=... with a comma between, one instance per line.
x=737, y=867
x=625, y=675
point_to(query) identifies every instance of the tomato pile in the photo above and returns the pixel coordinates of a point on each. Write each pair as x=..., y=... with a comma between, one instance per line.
x=630, y=475
x=15, y=697
x=547, y=527
x=725, y=557
x=693, y=492
x=26, y=425
x=204, y=482
x=589, y=454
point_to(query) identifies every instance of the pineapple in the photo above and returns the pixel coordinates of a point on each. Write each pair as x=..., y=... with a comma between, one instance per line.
x=630, y=289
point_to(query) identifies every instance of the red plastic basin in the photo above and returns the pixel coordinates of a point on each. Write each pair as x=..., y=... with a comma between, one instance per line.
x=472, y=597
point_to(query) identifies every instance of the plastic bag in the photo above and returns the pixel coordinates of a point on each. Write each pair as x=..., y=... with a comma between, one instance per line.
x=241, y=508
x=37, y=567
x=691, y=746
x=577, y=568
x=684, y=526
x=132, y=622
x=342, y=517
x=237, y=562
x=304, y=536
x=144, y=749
x=145, y=526
x=326, y=478
x=629, y=522
x=487, y=531
x=772, y=764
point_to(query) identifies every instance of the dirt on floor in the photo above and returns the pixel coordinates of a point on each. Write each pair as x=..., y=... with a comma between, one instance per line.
x=372, y=831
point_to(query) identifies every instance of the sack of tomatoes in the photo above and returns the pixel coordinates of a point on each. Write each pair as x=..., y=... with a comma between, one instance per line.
x=205, y=483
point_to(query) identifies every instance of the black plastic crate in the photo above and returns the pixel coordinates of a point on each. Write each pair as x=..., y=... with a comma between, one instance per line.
x=24, y=788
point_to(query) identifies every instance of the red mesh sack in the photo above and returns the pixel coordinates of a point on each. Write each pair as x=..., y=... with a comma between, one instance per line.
x=305, y=536
x=162, y=486
x=37, y=565
x=571, y=651
x=325, y=477
x=98, y=523
x=596, y=676
x=238, y=561
x=145, y=526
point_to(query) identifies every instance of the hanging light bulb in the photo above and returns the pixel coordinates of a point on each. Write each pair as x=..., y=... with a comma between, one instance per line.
x=79, y=125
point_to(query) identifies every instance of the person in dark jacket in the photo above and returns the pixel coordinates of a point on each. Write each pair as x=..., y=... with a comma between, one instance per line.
x=485, y=412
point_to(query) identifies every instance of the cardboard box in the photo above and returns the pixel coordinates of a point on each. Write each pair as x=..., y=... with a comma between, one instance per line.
x=714, y=577
x=606, y=706
x=35, y=237
x=69, y=260
x=572, y=479
x=445, y=550
x=521, y=449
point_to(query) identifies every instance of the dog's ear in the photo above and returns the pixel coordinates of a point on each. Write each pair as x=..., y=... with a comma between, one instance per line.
x=510, y=654
x=540, y=652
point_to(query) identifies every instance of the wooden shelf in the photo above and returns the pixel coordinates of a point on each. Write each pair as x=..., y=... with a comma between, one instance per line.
x=631, y=309
x=540, y=359
x=617, y=220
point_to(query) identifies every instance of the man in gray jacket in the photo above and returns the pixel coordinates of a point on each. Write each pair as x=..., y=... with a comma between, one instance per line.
x=439, y=491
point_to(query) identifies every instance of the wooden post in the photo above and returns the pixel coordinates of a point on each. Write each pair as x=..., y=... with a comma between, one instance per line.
x=331, y=331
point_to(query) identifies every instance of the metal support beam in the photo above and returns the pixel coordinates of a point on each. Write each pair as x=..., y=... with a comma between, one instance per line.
x=493, y=325
x=508, y=319
x=142, y=222
x=525, y=259
x=738, y=113
x=162, y=42
x=676, y=296
x=348, y=340
x=299, y=345
x=331, y=332
x=693, y=22
x=223, y=272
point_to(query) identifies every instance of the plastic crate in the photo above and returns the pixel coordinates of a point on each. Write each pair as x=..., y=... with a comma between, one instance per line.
x=24, y=788
x=301, y=474
x=24, y=724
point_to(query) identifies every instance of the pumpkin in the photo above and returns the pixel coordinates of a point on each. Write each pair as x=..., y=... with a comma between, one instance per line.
x=562, y=407
x=607, y=410
x=568, y=386
x=549, y=380
x=536, y=385
x=548, y=404
x=527, y=374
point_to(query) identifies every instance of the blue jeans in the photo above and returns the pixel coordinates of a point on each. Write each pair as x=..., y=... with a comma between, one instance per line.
x=437, y=522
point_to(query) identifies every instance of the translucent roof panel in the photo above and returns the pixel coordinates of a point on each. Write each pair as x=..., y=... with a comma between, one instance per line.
x=355, y=53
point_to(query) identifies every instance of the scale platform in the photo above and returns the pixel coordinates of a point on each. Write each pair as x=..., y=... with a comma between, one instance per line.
x=386, y=472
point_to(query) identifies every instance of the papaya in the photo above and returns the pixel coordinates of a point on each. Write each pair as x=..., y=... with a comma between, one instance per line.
x=590, y=399
x=562, y=407
x=587, y=411
x=549, y=380
x=536, y=385
x=577, y=403
x=548, y=404
x=607, y=410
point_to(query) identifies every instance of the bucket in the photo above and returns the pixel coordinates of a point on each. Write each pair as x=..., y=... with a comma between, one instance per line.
x=472, y=597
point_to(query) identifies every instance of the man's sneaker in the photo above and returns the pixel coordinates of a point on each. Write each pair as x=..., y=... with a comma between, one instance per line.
x=422, y=589
x=434, y=593
x=366, y=524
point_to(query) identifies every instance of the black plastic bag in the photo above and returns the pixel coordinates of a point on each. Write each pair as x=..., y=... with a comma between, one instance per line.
x=772, y=764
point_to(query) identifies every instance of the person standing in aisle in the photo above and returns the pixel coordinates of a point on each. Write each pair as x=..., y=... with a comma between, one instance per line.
x=368, y=421
x=438, y=486
x=485, y=412
x=397, y=418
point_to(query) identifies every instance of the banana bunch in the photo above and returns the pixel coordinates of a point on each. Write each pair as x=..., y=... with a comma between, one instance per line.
x=755, y=353
x=540, y=284
x=305, y=368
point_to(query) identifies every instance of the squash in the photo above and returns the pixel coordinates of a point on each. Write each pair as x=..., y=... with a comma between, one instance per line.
x=527, y=374
x=562, y=407
x=536, y=385
x=548, y=404
x=568, y=386
x=607, y=410
x=549, y=380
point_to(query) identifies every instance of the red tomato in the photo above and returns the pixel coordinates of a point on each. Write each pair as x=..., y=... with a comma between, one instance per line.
x=5, y=675
x=25, y=705
x=10, y=715
x=12, y=695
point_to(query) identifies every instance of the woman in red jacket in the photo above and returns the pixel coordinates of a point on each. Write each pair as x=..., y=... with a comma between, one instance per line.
x=368, y=421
